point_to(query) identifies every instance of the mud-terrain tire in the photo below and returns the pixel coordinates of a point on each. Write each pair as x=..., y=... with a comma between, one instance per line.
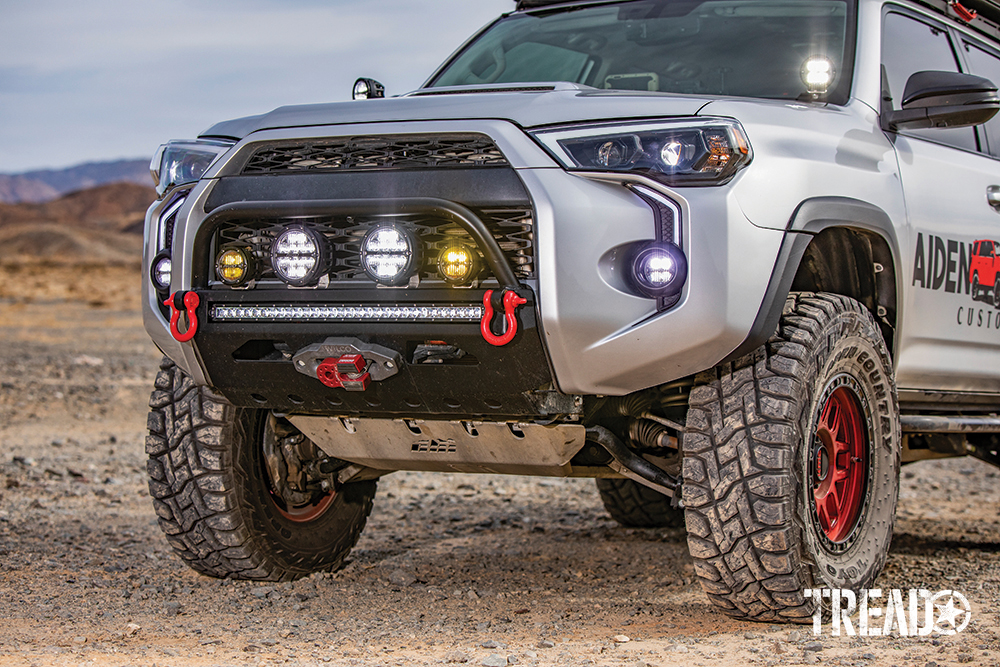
x=213, y=499
x=636, y=506
x=757, y=463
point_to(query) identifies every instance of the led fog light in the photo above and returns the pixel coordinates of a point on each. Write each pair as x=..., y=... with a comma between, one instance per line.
x=658, y=269
x=235, y=266
x=159, y=272
x=389, y=254
x=299, y=256
x=458, y=264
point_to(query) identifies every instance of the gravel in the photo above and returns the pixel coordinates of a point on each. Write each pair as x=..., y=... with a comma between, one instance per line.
x=455, y=569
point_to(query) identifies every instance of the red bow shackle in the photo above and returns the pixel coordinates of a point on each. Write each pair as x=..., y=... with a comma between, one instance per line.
x=510, y=303
x=187, y=302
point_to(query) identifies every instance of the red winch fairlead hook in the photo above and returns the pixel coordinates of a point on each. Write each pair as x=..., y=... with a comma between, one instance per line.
x=510, y=303
x=187, y=302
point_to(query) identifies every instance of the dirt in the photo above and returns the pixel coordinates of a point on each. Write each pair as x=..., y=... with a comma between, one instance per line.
x=451, y=568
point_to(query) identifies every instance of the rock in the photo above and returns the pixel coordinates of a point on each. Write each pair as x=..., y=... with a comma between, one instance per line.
x=263, y=591
x=679, y=648
x=489, y=643
x=402, y=578
x=813, y=646
x=495, y=660
x=171, y=608
x=456, y=657
x=621, y=639
x=131, y=630
x=79, y=640
x=530, y=655
x=546, y=643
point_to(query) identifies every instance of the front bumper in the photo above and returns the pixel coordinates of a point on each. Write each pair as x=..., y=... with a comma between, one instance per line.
x=581, y=331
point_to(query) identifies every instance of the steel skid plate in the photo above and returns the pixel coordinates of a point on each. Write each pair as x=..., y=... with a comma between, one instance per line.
x=447, y=446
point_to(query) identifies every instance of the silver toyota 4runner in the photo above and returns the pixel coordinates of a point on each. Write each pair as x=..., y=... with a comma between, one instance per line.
x=735, y=259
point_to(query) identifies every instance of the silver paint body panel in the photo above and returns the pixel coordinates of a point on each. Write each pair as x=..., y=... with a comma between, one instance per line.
x=602, y=340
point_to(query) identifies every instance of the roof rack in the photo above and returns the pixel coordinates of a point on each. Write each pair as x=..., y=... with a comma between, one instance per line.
x=986, y=20
x=536, y=4
x=980, y=15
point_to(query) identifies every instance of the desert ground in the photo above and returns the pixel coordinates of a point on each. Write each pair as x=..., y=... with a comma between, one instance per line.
x=480, y=570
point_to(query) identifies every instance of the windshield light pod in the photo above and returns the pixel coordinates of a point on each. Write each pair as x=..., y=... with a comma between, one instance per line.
x=689, y=152
x=818, y=73
x=389, y=254
x=299, y=256
x=658, y=269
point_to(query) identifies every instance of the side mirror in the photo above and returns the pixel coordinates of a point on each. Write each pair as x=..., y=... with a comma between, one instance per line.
x=368, y=89
x=944, y=99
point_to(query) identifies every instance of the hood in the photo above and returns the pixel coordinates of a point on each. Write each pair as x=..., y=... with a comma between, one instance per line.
x=527, y=105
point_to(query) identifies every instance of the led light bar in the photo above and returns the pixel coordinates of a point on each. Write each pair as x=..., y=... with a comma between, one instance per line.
x=393, y=313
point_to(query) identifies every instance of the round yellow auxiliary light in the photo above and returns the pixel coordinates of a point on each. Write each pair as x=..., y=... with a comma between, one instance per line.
x=458, y=264
x=234, y=266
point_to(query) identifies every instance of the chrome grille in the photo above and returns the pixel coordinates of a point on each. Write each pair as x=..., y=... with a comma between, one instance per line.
x=376, y=153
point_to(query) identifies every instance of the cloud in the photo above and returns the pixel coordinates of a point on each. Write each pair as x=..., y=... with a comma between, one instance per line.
x=105, y=79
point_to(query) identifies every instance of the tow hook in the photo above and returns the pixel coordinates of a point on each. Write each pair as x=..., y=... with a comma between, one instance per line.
x=186, y=302
x=348, y=371
x=510, y=301
x=347, y=363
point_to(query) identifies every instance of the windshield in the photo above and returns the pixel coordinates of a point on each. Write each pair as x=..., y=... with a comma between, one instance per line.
x=749, y=48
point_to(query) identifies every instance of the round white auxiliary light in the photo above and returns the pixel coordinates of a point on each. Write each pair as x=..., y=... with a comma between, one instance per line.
x=160, y=272
x=659, y=269
x=389, y=254
x=298, y=256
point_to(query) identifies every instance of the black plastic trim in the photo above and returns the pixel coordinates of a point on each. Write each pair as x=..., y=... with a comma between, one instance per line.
x=474, y=187
x=810, y=218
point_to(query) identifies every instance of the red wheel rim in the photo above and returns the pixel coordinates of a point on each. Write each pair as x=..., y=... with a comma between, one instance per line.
x=303, y=513
x=839, y=465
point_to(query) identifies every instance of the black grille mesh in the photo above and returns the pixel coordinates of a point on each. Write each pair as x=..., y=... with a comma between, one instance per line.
x=511, y=227
x=374, y=153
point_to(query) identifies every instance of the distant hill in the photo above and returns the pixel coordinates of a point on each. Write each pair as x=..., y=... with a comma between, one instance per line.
x=46, y=184
x=101, y=224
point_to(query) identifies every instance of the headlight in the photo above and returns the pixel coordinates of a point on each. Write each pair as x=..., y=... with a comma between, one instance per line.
x=389, y=254
x=179, y=162
x=689, y=152
x=299, y=256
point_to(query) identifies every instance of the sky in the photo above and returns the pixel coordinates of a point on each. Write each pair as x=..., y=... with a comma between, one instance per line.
x=99, y=80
